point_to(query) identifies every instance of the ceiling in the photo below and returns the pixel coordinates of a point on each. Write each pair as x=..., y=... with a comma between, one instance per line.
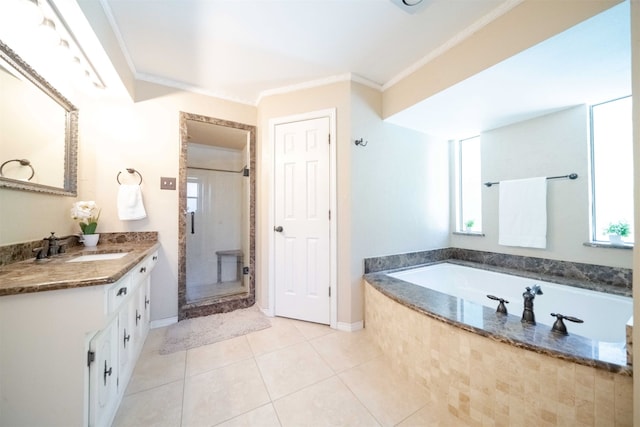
x=244, y=49
x=216, y=135
x=241, y=49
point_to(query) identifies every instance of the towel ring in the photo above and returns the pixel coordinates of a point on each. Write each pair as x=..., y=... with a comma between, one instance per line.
x=23, y=162
x=131, y=171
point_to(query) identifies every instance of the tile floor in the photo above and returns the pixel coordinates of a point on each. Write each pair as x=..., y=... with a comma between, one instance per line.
x=292, y=374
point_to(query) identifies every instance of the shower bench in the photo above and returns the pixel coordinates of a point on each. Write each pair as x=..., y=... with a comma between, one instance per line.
x=239, y=262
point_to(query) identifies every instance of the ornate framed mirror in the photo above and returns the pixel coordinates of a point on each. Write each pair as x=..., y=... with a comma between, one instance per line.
x=38, y=131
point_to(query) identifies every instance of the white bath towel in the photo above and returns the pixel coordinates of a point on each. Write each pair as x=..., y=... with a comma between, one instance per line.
x=130, y=206
x=523, y=213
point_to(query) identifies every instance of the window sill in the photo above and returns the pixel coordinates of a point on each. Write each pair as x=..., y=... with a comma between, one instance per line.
x=608, y=245
x=468, y=233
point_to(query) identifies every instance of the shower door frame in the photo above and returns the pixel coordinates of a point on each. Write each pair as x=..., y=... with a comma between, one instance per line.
x=225, y=303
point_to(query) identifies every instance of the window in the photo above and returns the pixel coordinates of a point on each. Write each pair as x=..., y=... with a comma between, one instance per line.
x=192, y=194
x=612, y=169
x=468, y=185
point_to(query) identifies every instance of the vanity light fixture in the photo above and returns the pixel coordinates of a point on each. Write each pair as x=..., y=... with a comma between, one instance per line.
x=40, y=21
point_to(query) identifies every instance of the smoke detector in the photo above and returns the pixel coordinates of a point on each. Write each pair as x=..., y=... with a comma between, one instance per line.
x=411, y=6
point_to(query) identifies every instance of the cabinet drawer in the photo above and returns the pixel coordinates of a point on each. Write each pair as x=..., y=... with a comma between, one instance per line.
x=117, y=293
x=143, y=269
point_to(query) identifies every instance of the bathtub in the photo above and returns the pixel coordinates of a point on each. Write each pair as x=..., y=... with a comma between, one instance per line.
x=604, y=315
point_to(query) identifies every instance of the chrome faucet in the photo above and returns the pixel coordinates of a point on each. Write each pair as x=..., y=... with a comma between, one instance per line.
x=529, y=295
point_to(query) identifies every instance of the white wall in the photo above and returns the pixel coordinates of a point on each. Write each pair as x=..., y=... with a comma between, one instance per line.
x=399, y=188
x=555, y=144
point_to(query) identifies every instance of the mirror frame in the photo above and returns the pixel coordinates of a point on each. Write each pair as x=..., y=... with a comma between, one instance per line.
x=222, y=304
x=69, y=187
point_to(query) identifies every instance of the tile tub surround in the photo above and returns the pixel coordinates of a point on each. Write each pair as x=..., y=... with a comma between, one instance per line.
x=488, y=382
x=56, y=273
x=614, y=280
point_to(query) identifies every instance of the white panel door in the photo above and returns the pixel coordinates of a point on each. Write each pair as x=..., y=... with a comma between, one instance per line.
x=302, y=227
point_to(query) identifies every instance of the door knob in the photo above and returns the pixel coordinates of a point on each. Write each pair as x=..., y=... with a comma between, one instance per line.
x=279, y=229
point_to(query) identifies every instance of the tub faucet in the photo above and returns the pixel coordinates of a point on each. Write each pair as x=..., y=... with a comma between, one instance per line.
x=529, y=295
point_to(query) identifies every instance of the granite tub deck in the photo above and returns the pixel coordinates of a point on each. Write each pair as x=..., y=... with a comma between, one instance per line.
x=55, y=273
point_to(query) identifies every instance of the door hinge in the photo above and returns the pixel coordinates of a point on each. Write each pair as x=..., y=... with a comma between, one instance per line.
x=329, y=215
x=329, y=138
x=91, y=356
x=329, y=291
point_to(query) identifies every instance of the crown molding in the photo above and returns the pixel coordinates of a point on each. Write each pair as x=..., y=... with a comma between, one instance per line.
x=317, y=83
x=150, y=78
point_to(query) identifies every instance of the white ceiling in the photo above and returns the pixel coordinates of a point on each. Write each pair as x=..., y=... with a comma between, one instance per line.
x=245, y=49
x=242, y=48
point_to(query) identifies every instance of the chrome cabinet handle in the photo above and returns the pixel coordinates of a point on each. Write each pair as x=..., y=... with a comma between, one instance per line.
x=279, y=229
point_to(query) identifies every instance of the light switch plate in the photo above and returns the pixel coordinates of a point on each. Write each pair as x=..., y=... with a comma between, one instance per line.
x=167, y=183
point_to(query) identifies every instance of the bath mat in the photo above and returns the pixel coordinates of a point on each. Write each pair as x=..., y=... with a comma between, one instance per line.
x=205, y=330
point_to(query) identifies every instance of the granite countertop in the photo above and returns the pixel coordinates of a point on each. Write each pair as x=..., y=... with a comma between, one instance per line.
x=504, y=328
x=56, y=273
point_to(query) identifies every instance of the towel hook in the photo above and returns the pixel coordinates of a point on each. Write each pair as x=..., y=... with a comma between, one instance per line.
x=359, y=142
x=131, y=171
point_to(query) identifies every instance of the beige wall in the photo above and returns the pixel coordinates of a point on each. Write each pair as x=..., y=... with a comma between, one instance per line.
x=115, y=135
x=555, y=144
x=145, y=136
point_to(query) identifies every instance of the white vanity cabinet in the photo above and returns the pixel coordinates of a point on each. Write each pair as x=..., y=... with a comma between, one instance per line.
x=66, y=356
x=114, y=350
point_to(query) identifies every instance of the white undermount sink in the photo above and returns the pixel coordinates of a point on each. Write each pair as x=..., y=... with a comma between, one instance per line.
x=99, y=257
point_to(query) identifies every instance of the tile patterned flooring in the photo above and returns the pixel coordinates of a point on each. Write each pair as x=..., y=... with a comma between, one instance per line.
x=292, y=374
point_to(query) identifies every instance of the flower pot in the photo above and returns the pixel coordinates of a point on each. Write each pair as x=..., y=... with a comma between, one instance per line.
x=615, y=239
x=90, y=240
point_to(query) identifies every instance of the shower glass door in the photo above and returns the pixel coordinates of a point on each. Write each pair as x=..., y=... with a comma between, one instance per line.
x=217, y=222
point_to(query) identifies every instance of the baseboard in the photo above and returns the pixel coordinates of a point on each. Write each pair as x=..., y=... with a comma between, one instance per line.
x=160, y=323
x=350, y=327
x=266, y=311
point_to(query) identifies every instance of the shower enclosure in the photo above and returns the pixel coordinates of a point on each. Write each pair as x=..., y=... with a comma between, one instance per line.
x=216, y=238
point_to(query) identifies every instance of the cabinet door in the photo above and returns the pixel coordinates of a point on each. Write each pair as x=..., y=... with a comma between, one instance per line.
x=126, y=342
x=103, y=376
x=145, y=305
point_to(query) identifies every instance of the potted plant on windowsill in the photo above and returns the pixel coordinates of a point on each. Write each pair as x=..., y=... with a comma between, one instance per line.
x=617, y=231
x=468, y=225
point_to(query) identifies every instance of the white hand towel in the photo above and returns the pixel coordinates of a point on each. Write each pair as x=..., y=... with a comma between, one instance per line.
x=523, y=213
x=130, y=206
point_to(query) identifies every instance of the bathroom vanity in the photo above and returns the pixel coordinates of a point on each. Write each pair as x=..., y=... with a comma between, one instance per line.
x=71, y=330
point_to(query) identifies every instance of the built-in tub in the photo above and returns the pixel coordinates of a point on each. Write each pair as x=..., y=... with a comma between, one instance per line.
x=605, y=316
x=483, y=368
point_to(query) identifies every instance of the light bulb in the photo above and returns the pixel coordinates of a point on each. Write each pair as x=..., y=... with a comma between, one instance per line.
x=47, y=33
